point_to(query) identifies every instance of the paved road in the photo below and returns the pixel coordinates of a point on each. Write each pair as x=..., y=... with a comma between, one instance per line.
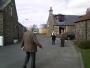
x=47, y=57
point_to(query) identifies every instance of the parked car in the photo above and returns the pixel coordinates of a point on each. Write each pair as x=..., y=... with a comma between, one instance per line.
x=69, y=36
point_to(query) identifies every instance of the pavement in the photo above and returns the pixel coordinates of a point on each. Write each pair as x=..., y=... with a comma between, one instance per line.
x=50, y=56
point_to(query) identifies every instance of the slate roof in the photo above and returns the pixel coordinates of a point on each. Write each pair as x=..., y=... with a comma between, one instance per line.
x=4, y=3
x=68, y=20
x=1, y=2
x=84, y=17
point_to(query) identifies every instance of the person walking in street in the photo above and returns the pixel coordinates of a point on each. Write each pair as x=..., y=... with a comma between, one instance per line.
x=53, y=38
x=62, y=39
x=29, y=45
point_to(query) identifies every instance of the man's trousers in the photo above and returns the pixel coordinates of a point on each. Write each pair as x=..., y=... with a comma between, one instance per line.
x=31, y=56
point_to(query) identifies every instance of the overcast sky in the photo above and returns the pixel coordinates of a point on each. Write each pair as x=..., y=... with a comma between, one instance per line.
x=36, y=11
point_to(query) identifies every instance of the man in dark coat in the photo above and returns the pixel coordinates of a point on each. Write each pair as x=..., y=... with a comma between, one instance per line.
x=29, y=45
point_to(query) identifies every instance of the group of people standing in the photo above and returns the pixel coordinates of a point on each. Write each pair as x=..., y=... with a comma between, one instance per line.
x=53, y=35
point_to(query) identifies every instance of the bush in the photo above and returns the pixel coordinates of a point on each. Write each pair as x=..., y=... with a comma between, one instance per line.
x=84, y=44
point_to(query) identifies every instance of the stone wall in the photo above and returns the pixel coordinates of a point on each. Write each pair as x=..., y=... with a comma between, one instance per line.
x=1, y=23
x=10, y=24
x=21, y=30
x=70, y=28
x=50, y=24
x=83, y=30
x=80, y=30
x=88, y=29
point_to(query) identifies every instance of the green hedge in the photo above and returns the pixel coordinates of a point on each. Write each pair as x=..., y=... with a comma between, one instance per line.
x=84, y=44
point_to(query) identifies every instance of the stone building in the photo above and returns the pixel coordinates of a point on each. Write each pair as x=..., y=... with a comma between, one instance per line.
x=83, y=27
x=21, y=30
x=60, y=22
x=9, y=28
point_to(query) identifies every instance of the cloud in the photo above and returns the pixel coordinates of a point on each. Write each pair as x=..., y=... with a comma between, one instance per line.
x=74, y=7
x=36, y=11
x=80, y=3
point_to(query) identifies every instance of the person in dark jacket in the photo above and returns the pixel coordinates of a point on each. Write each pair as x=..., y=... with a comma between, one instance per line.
x=53, y=38
x=29, y=45
x=62, y=39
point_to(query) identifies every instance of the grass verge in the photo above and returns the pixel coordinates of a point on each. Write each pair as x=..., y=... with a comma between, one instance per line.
x=86, y=57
